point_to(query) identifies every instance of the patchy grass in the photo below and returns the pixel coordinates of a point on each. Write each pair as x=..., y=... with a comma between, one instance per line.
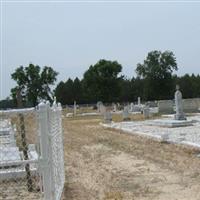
x=105, y=164
x=108, y=165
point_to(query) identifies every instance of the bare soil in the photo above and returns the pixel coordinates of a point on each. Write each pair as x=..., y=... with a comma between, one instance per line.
x=103, y=164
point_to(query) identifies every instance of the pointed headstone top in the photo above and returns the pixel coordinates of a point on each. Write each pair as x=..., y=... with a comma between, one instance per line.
x=177, y=87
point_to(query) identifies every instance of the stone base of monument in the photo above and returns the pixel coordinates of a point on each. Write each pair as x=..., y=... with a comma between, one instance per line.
x=179, y=117
x=170, y=123
x=107, y=117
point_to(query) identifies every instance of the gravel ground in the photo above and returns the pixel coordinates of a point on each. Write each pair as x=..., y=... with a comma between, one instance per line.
x=182, y=135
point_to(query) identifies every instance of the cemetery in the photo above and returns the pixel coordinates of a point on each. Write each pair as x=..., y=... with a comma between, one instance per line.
x=99, y=100
x=75, y=145
x=129, y=150
x=170, y=128
x=99, y=130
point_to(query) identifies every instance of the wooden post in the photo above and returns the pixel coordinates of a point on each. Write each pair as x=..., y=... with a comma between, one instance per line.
x=24, y=143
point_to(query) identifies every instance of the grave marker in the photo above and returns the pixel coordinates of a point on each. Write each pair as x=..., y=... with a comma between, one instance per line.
x=125, y=114
x=179, y=105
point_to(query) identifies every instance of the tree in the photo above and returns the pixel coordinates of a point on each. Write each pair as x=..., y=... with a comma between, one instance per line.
x=190, y=85
x=126, y=92
x=6, y=103
x=157, y=72
x=77, y=90
x=34, y=83
x=69, y=91
x=60, y=93
x=101, y=81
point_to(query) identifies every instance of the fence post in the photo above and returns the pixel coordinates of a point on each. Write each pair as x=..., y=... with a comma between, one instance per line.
x=61, y=140
x=24, y=142
x=44, y=147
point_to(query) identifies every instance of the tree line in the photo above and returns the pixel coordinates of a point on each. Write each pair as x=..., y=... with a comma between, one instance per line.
x=129, y=90
x=155, y=80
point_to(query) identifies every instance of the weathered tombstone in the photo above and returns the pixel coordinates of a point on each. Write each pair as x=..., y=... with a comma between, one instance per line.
x=99, y=104
x=191, y=105
x=146, y=112
x=125, y=114
x=132, y=107
x=165, y=106
x=74, y=108
x=54, y=100
x=114, y=107
x=102, y=109
x=107, y=116
x=152, y=104
x=139, y=101
x=119, y=106
x=179, y=105
x=137, y=108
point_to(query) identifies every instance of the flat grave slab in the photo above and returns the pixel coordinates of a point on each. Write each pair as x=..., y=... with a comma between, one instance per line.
x=9, y=154
x=187, y=135
x=170, y=123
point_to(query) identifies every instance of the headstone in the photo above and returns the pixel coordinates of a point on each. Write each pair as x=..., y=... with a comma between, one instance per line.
x=125, y=114
x=165, y=106
x=99, y=104
x=132, y=107
x=137, y=108
x=114, y=107
x=102, y=109
x=107, y=116
x=74, y=108
x=152, y=104
x=54, y=99
x=139, y=101
x=146, y=112
x=179, y=105
x=191, y=105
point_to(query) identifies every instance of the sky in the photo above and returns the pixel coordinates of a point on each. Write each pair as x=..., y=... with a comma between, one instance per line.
x=71, y=36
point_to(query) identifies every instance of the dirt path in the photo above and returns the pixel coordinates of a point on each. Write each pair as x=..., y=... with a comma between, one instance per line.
x=109, y=165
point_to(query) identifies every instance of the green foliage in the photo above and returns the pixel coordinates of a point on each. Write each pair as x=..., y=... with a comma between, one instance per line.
x=70, y=91
x=154, y=81
x=34, y=83
x=190, y=85
x=60, y=93
x=7, y=103
x=157, y=72
x=102, y=81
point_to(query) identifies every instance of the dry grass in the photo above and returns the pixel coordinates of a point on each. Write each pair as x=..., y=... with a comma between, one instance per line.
x=104, y=164
x=107, y=165
x=17, y=190
x=87, y=109
x=30, y=125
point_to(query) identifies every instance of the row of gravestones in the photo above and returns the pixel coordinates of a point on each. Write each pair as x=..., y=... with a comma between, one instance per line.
x=189, y=106
x=146, y=110
x=125, y=114
x=132, y=107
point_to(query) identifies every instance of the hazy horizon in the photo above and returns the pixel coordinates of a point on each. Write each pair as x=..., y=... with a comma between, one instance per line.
x=72, y=36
